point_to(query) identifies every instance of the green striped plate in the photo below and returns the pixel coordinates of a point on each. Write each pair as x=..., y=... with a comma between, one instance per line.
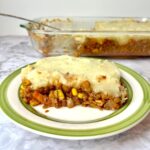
x=78, y=122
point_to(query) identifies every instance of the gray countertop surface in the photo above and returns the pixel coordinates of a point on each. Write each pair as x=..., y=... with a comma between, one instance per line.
x=16, y=51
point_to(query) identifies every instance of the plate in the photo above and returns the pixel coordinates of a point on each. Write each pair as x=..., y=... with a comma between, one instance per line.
x=78, y=122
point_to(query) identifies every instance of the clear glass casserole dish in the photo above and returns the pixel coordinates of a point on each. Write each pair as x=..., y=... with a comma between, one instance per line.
x=91, y=36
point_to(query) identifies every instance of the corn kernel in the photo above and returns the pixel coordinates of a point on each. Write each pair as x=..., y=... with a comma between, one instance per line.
x=99, y=102
x=22, y=87
x=74, y=92
x=33, y=102
x=26, y=82
x=60, y=94
x=80, y=95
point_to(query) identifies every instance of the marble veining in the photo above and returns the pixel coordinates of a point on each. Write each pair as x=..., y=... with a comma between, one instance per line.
x=16, y=51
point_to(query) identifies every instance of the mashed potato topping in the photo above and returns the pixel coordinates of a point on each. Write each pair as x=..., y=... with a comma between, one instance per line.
x=103, y=75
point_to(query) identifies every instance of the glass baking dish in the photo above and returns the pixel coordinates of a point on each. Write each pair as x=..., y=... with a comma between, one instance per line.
x=91, y=36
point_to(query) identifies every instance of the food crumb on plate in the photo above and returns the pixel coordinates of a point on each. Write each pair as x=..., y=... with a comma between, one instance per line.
x=46, y=111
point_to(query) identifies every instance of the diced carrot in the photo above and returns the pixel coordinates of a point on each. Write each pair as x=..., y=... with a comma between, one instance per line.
x=38, y=96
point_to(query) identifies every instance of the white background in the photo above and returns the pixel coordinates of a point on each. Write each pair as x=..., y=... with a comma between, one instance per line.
x=37, y=8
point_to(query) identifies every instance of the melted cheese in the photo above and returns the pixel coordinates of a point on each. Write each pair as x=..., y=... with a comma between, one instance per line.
x=47, y=70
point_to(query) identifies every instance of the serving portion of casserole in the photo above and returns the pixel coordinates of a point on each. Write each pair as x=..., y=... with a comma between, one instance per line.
x=69, y=81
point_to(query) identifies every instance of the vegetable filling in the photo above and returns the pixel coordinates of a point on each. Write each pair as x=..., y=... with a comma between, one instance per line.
x=60, y=95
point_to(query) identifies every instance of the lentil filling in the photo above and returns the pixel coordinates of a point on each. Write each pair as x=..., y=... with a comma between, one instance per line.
x=60, y=95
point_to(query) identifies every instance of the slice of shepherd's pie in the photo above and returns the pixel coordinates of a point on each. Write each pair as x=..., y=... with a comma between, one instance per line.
x=69, y=81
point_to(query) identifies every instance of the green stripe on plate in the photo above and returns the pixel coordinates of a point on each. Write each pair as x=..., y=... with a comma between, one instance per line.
x=139, y=114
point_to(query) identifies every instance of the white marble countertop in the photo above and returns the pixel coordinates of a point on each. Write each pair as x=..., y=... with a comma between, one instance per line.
x=16, y=52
